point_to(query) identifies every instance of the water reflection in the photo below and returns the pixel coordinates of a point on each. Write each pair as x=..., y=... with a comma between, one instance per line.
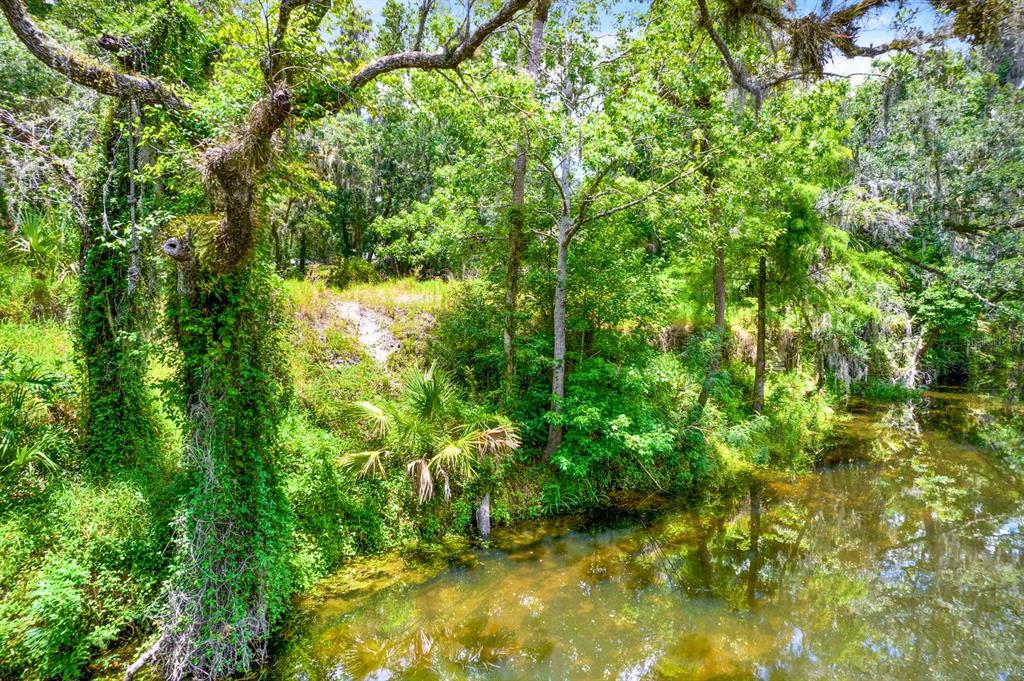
x=904, y=562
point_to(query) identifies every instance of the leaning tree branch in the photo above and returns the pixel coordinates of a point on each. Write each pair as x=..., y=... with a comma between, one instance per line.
x=584, y=220
x=421, y=23
x=990, y=303
x=235, y=165
x=851, y=49
x=739, y=74
x=589, y=196
x=562, y=190
x=449, y=58
x=83, y=70
x=839, y=31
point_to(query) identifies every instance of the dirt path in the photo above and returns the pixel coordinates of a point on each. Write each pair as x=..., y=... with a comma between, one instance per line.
x=372, y=328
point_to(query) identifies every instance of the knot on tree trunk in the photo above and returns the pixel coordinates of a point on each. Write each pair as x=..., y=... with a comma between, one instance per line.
x=177, y=248
x=131, y=56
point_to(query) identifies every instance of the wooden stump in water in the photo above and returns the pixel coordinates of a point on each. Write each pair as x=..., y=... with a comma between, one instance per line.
x=483, y=516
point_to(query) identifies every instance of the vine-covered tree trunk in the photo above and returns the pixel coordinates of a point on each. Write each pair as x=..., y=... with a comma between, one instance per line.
x=759, y=357
x=118, y=420
x=230, y=575
x=517, y=232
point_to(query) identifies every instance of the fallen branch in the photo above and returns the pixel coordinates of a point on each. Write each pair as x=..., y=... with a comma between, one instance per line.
x=144, y=659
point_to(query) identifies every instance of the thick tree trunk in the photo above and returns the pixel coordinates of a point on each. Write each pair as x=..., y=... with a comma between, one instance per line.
x=119, y=429
x=555, y=430
x=517, y=232
x=302, y=253
x=483, y=516
x=231, y=556
x=759, y=358
x=231, y=575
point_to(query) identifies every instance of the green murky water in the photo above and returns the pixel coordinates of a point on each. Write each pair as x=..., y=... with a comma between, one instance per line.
x=904, y=559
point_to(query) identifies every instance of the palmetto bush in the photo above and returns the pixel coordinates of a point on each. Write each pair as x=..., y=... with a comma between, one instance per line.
x=440, y=440
x=37, y=258
x=28, y=395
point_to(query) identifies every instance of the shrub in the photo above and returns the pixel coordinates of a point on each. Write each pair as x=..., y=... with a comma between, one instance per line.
x=33, y=436
x=87, y=563
x=350, y=271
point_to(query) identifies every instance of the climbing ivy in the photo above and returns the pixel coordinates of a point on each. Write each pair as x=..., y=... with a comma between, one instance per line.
x=231, y=574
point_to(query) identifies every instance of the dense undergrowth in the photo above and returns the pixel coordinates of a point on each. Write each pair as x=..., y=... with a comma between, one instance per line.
x=244, y=338
x=85, y=557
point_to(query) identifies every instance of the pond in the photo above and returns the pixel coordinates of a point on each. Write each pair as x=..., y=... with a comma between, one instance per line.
x=903, y=558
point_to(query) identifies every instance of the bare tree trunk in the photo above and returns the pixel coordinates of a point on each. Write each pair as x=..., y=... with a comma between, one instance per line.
x=759, y=359
x=720, y=300
x=915, y=359
x=483, y=516
x=555, y=430
x=721, y=351
x=516, y=234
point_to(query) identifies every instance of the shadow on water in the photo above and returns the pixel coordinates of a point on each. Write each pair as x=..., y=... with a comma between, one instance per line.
x=901, y=559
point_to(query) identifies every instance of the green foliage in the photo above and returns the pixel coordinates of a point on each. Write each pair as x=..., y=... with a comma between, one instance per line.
x=231, y=565
x=885, y=391
x=350, y=271
x=950, y=315
x=59, y=643
x=29, y=397
x=620, y=427
x=329, y=526
x=34, y=269
x=119, y=424
x=941, y=133
x=888, y=218
x=84, y=565
x=441, y=441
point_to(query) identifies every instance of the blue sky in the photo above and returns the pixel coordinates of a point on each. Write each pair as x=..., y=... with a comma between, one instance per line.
x=877, y=29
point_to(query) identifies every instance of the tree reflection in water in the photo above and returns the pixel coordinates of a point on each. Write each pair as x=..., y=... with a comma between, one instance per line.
x=905, y=562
